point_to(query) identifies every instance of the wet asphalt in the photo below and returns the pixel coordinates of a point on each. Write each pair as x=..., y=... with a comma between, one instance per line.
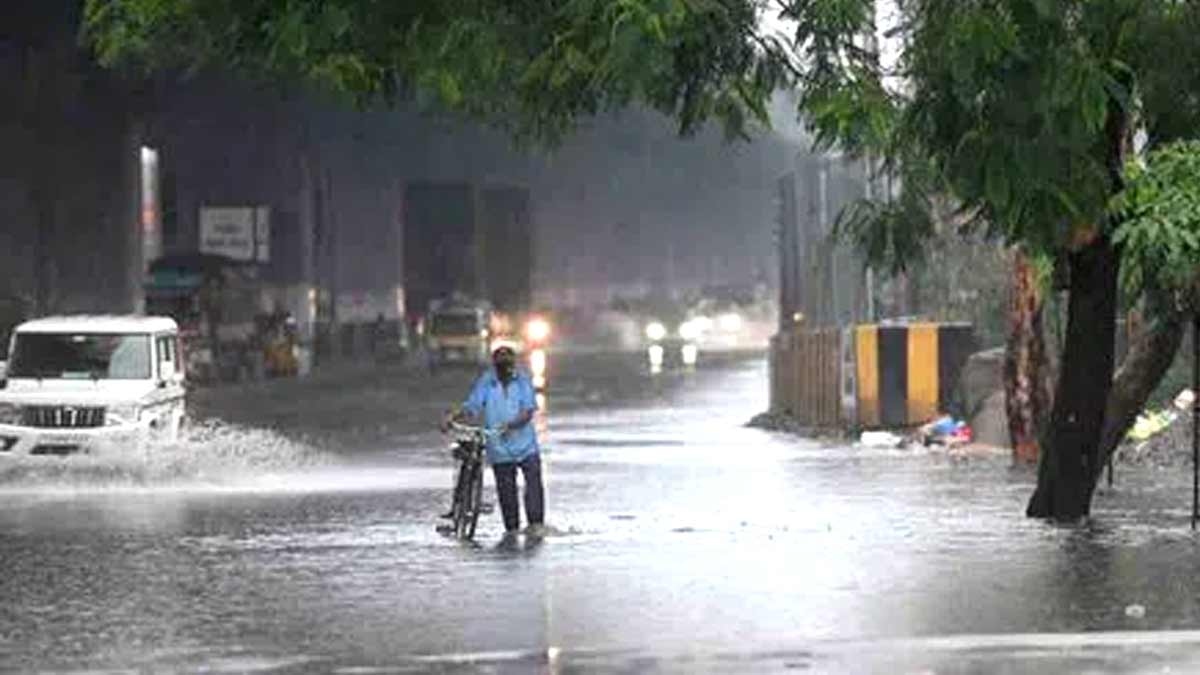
x=292, y=530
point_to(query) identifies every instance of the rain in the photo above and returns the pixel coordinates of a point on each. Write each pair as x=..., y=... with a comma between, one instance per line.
x=256, y=332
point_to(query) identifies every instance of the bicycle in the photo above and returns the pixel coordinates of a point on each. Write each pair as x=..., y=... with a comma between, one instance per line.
x=470, y=443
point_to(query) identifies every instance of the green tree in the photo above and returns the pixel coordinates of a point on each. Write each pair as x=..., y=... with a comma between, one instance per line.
x=1023, y=112
x=1159, y=236
x=533, y=67
x=1160, y=220
x=1159, y=232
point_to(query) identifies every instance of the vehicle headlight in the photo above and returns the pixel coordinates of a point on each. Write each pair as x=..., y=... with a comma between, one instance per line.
x=690, y=330
x=731, y=322
x=122, y=414
x=537, y=330
x=10, y=413
x=656, y=331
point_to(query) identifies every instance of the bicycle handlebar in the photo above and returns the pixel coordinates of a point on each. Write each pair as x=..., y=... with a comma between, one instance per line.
x=458, y=427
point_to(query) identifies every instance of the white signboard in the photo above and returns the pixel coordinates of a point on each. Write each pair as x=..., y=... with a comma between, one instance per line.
x=241, y=233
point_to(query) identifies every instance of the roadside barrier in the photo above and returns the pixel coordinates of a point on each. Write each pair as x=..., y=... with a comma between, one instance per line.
x=869, y=376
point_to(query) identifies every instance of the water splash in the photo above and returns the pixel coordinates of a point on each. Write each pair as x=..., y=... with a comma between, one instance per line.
x=209, y=454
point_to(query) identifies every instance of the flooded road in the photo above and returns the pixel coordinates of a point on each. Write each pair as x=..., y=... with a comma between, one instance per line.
x=297, y=536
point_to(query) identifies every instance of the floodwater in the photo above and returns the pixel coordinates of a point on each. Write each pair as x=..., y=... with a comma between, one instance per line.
x=297, y=535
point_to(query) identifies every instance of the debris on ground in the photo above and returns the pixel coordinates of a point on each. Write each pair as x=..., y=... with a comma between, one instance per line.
x=771, y=421
x=1161, y=438
x=945, y=430
x=881, y=439
x=1169, y=447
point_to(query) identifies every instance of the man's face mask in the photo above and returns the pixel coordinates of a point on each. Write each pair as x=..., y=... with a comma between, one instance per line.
x=506, y=364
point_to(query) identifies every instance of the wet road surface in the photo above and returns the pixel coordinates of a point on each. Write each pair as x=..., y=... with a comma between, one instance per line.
x=297, y=536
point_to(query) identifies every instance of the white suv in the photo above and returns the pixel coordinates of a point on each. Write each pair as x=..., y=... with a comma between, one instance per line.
x=73, y=382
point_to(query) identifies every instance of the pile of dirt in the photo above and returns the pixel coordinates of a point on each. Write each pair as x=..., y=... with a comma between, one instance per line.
x=1170, y=447
x=787, y=424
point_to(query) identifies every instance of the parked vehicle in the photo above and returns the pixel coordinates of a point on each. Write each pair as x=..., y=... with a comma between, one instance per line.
x=73, y=383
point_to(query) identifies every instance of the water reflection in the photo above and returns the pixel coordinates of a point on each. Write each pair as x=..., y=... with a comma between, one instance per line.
x=682, y=541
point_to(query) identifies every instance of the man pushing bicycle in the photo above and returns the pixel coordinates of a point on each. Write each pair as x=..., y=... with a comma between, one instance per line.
x=503, y=399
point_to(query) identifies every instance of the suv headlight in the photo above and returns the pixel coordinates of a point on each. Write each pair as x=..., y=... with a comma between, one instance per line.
x=10, y=413
x=122, y=414
x=690, y=330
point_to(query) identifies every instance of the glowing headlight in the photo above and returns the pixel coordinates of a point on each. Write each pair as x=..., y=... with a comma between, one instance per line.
x=731, y=322
x=122, y=414
x=537, y=330
x=656, y=331
x=690, y=330
x=704, y=323
x=10, y=414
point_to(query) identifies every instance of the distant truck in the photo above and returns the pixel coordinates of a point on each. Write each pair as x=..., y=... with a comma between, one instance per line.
x=469, y=241
x=458, y=331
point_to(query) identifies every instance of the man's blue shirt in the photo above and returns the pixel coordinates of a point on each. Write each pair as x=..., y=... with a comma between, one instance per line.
x=500, y=405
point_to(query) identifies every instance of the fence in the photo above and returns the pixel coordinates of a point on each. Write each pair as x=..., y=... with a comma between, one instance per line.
x=806, y=376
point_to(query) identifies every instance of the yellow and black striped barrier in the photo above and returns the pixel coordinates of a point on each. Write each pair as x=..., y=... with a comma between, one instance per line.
x=905, y=373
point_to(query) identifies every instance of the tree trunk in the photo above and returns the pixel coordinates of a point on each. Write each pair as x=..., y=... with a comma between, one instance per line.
x=1150, y=355
x=1027, y=393
x=1071, y=461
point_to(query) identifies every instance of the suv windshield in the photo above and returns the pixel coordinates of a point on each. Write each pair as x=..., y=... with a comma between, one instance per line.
x=80, y=356
x=456, y=324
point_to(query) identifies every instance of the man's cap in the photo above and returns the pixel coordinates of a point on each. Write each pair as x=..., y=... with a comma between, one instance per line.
x=504, y=345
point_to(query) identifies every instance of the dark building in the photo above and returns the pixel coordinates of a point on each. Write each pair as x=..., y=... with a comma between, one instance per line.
x=70, y=222
x=461, y=238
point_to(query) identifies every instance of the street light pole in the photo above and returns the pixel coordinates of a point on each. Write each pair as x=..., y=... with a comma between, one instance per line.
x=1195, y=418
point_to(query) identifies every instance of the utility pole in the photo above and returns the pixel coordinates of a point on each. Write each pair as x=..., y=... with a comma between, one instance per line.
x=331, y=257
x=1195, y=418
x=830, y=246
x=871, y=194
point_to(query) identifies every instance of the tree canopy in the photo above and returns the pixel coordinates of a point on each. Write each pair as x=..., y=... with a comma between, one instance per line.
x=1005, y=106
x=1008, y=107
x=534, y=67
x=1159, y=215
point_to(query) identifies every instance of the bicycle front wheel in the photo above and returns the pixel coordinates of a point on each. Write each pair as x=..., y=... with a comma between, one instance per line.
x=467, y=514
x=475, y=489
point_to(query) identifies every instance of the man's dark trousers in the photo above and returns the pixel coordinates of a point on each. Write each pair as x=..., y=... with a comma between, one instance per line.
x=506, y=489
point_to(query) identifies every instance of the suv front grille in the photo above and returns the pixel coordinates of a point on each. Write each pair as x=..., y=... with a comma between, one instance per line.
x=62, y=417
